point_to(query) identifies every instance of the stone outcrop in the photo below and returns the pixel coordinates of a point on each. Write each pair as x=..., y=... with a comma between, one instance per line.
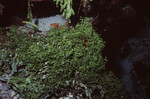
x=138, y=48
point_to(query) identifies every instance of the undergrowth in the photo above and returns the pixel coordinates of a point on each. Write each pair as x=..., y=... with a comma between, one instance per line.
x=63, y=61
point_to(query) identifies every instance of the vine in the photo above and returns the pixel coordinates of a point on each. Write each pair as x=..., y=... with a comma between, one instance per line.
x=65, y=7
x=30, y=16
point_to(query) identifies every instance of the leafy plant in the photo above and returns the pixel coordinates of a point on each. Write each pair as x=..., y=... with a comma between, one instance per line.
x=30, y=16
x=30, y=23
x=64, y=55
x=5, y=61
x=64, y=61
x=66, y=7
x=112, y=87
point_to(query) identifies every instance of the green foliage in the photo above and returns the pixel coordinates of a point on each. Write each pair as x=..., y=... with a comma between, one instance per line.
x=6, y=54
x=30, y=16
x=112, y=87
x=66, y=7
x=30, y=23
x=64, y=61
x=5, y=61
x=62, y=56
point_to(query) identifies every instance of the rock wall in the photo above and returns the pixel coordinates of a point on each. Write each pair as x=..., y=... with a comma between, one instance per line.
x=138, y=71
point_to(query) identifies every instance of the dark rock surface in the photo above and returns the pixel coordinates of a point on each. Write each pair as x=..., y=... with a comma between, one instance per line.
x=137, y=49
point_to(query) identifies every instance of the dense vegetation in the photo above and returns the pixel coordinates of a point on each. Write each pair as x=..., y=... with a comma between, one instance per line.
x=63, y=61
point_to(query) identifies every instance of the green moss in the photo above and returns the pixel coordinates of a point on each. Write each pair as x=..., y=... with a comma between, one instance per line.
x=64, y=60
x=112, y=86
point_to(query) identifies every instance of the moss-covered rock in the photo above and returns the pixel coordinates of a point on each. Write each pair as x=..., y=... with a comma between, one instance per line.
x=67, y=60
